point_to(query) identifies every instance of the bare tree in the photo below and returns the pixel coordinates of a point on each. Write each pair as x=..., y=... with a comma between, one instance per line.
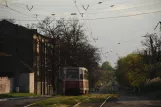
x=71, y=47
x=152, y=53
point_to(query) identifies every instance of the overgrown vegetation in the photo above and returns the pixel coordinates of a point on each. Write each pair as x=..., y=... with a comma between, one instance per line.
x=104, y=74
x=142, y=70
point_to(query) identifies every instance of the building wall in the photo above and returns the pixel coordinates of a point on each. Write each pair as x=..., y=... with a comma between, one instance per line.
x=26, y=82
x=17, y=43
x=23, y=82
x=11, y=84
x=22, y=56
x=31, y=82
x=4, y=85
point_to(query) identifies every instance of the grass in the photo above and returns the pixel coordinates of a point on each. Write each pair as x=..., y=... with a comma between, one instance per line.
x=97, y=98
x=13, y=95
x=61, y=101
x=69, y=101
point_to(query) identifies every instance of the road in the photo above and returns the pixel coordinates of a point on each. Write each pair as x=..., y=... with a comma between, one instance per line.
x=145, y=103
x=127, y=100
x=133, y=101
x=19, y=103
x=130, y=102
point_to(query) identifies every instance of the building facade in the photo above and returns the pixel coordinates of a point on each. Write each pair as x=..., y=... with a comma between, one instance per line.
x=23, y=59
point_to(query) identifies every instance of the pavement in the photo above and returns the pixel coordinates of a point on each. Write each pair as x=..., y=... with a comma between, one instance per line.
x=20, y=101
x=131, y=100
x=127, y=100
x=17, y=98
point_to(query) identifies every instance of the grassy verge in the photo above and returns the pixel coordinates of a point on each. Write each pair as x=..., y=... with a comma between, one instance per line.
x=61, y=101
x=98, y=98
x=13, y=95
x=69, y=101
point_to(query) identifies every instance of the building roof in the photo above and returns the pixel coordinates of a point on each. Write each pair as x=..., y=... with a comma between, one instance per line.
x=11, y=28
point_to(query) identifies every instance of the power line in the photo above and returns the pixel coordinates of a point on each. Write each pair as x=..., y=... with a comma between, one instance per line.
x=109, y=17
x=16, y=11
x=115, y=5
x=24, y=7
x=87, y=27
x=47, y=5
x=124, y=9
x=125, y=15
x=83, y=19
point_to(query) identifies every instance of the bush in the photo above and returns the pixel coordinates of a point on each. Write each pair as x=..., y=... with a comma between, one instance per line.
x=158, y=94
x=153, y=85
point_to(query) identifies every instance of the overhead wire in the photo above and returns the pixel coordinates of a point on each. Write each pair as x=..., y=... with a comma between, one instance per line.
x=24, y=7
x=108, y=11
x=15, y=10
x=83, y=19
x=100, y=12
x=115, y=4
x=47, y=5
x=100, y=18
x=124, y=8
x=87, y=27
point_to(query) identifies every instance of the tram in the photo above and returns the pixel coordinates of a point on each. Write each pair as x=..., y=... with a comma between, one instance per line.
x=75, y=80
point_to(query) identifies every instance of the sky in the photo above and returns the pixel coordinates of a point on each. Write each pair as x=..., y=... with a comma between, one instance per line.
x=107, y=22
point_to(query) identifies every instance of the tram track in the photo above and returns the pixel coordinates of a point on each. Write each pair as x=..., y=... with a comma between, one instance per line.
x=97, y=105
x=104, y=101
x=80, y=102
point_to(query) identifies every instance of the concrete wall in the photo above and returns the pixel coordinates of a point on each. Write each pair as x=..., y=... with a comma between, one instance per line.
x=31, y=82
x=4, y=85
x=25, y=83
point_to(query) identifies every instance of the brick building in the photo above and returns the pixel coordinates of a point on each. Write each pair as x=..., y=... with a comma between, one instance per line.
x=23, y=59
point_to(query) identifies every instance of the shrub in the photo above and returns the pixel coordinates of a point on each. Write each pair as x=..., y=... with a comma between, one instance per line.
x=153, y=85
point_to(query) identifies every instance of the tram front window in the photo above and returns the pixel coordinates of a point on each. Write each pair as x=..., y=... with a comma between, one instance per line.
x=72, y=74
